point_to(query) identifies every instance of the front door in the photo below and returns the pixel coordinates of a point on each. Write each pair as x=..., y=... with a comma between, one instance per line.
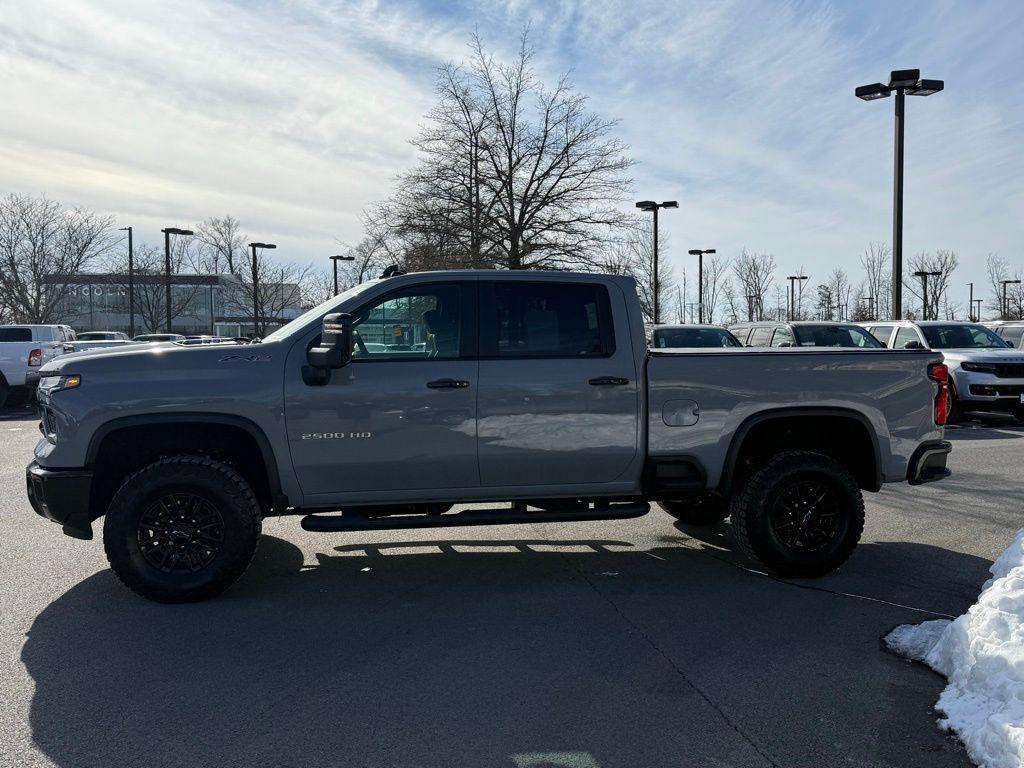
x=402, y=414
x=558, y=398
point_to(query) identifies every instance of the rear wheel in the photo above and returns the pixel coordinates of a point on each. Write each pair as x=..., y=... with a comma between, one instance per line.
x=182, y=529
x=799, y=515
x=18, y=397
x=705, y=509
x=4, y=391
x=956, y=410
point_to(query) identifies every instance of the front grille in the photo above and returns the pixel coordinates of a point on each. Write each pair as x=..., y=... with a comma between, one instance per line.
x=997, y=390
x=48, y=426
x=1010, y=370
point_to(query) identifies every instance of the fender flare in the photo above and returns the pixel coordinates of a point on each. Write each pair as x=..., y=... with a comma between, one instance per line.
x=278, y=500
x=732, y=455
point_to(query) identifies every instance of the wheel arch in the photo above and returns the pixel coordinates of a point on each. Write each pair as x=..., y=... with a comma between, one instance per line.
x=255, y=444
x=799, y=420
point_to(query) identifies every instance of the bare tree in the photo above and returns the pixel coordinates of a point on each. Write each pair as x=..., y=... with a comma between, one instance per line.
x=222, y=245
x=716, y=269
x=998, y=270
x=42, y=245
x=834, y=296
x=942, y=262
x=633, y=255
x=150, y=282
x=513, y=174
x=269, y=288
x=877, y=264
x=755, y=275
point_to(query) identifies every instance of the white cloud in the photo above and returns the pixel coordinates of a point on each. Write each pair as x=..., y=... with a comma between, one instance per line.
x=294, y=115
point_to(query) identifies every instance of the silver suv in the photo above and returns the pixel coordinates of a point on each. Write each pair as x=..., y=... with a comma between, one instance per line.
x=985, y=372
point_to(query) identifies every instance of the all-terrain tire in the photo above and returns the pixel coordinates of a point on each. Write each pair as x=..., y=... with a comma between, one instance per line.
x=176, y=508
x=754, y=509
x=705, y=509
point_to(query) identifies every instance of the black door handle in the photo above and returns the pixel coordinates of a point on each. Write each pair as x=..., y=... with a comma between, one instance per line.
x=608, y=381
x=447, y=384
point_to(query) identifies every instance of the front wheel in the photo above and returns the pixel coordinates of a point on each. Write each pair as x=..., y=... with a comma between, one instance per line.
x=182, y=529
x=800, y=515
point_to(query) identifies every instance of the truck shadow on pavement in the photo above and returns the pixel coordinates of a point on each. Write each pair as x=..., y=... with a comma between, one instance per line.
x=520, y=652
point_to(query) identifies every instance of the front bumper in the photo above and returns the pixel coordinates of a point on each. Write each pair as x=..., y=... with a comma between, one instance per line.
x=987, y=392
x=928, y=463
x=61, y=495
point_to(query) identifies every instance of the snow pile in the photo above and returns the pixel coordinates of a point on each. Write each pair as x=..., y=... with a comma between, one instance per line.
x=982, y=655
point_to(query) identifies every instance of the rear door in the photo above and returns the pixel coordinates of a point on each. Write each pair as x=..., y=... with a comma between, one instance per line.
x=558, y=395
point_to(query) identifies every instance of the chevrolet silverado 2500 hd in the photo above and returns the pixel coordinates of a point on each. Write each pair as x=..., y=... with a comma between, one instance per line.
x=397, y=400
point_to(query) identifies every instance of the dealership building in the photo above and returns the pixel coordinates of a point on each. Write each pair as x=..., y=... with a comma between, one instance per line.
x=220, y=305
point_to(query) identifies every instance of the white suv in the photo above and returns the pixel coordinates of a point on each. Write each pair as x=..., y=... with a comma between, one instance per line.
x=985, y=372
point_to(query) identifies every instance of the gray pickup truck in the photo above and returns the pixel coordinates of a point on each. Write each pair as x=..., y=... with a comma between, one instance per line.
x=403, y=397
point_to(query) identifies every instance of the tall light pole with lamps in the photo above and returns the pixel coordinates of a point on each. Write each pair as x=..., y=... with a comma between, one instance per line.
x=256, y=287
x=649, y=206
x=700, y=279
x=901, y=82
x=131, y=284
x=792, y=293
x=1006, y=306
x=924, y=275
x=167, y=266
x=336, y=258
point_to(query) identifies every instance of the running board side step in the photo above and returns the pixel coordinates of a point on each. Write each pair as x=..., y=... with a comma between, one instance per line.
x=517, y=514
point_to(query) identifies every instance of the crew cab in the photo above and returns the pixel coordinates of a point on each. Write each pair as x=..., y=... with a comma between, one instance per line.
x=398, y=400
x=23, y=351
x=985, y=372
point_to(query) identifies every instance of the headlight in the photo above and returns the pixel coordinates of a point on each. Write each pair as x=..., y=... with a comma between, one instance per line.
x=55, y=383
x=979, y=367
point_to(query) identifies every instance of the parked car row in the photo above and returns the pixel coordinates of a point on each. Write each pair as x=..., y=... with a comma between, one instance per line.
x=986, y=368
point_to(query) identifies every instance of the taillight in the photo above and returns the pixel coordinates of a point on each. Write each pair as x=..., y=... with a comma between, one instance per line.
x=35, y=357
x=940, y=373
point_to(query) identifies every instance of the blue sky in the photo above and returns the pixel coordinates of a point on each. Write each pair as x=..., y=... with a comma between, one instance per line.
x=295, y=115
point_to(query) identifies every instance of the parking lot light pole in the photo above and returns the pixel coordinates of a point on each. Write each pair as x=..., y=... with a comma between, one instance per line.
x=131, y=284
x=256, y=288
x=1006, y=307
x=167, y=265
x=700, y=279
x=924, y=275
x=970, y=304
x=902, y=82
x=977, y=312
x=336, y=259
x=792, y=293
x=650, y=206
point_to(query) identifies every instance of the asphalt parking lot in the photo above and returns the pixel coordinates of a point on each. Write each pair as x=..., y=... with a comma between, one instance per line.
x=633, y=643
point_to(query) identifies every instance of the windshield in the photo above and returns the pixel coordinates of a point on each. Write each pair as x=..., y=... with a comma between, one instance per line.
x=834, y=336
x=693, y=337
x=300, y=322
x=95, y=336
x=961, y=337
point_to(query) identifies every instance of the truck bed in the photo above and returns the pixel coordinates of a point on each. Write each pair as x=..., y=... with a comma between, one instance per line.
x=699, y=400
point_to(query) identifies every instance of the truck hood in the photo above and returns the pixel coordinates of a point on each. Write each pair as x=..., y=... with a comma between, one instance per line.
x=144, y=356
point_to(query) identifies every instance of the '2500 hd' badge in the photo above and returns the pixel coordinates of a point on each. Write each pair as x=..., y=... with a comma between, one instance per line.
x=336, y=435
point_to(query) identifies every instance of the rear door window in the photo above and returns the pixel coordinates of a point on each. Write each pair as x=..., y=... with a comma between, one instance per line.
x=760, y=336
x=782, y=336
x=903, y=335
x=1012, y=334
x=881, y=332
x=534, y=319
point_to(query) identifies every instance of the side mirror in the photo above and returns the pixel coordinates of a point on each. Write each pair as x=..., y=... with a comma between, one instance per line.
x=335, y=347
x=913, y=345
